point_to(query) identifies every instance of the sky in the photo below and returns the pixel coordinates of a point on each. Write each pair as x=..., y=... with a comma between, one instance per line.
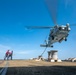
x=16, y=14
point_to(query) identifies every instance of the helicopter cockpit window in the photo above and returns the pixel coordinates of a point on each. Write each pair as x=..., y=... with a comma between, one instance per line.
x=62, y=28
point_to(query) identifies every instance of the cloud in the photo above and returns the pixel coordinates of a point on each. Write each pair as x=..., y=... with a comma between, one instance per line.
x=3, y=48
x=27, y=52
x=24, y=51
x=4, y=38
x=21, y=52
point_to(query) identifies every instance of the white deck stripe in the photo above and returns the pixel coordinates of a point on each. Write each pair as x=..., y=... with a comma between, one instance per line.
x=4, y=70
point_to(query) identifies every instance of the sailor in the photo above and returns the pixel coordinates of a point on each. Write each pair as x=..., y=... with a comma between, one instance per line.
x=10, y=54
x=6, y=55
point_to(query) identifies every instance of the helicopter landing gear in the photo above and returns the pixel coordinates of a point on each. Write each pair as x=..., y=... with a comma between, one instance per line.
x=65, y=39
x=52, y=46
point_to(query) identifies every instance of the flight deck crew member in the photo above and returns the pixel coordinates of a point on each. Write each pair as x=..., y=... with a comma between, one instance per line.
x=10, y=54
x=6, y=55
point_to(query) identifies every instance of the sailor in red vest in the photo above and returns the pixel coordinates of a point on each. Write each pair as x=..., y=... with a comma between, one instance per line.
x=6, y=55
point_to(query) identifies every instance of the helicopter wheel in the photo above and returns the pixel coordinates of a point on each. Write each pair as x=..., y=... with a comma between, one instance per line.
x=52, y=46
x=65, y=39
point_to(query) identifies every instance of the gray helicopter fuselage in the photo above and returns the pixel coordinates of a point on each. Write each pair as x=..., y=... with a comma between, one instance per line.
x=58, y=34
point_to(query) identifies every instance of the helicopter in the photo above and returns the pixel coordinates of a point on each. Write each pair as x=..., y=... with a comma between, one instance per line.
x=58, y=33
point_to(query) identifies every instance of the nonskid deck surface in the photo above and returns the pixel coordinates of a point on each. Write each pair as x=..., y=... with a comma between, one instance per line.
x=31, y=67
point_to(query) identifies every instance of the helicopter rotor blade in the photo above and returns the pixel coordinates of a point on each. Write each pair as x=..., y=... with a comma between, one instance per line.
x=52, y=6
x=38, y=27
x=72, y=24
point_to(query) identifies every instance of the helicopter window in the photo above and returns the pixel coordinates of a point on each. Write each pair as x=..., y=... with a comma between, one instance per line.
x=62, y=28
